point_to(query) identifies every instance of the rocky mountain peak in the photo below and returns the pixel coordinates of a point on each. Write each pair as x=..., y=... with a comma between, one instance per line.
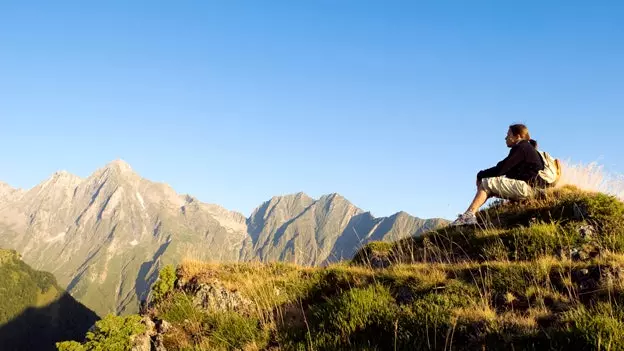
x=118, y=169
x=113, y=174
x=337, y=201
x=61, y=182
x=401, y=214
x=119, y=165
x=65, y=178
x=291, y=198
x=284, y=205
x=333, y=198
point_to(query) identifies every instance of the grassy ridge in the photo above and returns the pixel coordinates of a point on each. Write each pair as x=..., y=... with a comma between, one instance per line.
x=544, y=274
x=541, y=304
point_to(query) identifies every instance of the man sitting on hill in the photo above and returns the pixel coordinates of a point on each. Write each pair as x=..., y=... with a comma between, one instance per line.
x=512, y=178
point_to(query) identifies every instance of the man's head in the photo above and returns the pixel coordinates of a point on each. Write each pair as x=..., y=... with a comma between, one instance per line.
x=516, y=133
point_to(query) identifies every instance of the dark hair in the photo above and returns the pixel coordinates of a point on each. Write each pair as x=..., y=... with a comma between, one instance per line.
x=521, y=131
x=533, y=142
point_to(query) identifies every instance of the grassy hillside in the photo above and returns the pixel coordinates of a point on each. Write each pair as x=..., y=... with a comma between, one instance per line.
x=544, y=274
x=34, y=311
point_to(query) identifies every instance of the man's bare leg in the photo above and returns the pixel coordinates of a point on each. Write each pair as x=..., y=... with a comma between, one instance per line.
x=479, y=200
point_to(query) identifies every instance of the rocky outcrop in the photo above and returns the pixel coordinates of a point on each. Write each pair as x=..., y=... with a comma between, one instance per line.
x=214, y=296
x=152, y=338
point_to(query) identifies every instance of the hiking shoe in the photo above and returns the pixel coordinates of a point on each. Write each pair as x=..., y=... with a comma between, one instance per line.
x=465, y=219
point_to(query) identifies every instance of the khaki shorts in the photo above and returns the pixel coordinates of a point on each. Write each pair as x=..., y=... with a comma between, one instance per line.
x=507, y=188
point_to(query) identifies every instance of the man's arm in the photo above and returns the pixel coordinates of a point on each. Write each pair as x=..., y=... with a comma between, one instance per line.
x=514, y=157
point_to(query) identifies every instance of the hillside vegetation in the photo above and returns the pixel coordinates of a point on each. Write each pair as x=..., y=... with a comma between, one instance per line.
x=543, y=274
x=34, y=311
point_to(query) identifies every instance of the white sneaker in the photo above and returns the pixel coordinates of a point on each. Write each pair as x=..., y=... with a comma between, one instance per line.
x=467, y=218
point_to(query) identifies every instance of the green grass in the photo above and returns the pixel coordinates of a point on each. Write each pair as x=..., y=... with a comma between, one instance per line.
x=550, y=226
x=528, y=277
x=215, y=330
x=541, y=304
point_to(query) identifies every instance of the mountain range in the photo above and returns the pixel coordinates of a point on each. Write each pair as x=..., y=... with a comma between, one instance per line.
x=105, y=237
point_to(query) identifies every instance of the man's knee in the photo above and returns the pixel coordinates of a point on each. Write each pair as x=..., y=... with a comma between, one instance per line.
x=483, y=186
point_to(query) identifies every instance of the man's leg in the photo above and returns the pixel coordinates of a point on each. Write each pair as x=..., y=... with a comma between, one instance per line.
x=479, y=200
x=502, y=187
x=469, y=217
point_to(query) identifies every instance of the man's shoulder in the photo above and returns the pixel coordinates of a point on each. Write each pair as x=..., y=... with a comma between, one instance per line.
x=523, y=145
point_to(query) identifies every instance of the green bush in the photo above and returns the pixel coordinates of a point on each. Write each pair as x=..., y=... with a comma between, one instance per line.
x=597, y=328
x=70, y=346
x=218, y=330
x=112, y=333
x=178, y=307
x=165, y=283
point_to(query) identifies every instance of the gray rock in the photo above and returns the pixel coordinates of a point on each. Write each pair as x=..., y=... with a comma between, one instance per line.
x=163, y=326
x=143, y=342
x=214, y=296
x=152, y=338
x=159, y=344
x=587, y=231
x=595, y=278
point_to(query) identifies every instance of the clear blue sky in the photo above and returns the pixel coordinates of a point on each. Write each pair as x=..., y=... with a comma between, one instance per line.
x=394, y=104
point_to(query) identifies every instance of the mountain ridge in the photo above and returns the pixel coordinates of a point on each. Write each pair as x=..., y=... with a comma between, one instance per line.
x=106, y=235
x=120, y=166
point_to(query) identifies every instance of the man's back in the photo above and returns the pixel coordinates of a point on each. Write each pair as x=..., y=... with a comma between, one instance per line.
x=530, y=165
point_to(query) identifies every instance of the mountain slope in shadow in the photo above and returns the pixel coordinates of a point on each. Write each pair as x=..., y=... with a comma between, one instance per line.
x=35, y=312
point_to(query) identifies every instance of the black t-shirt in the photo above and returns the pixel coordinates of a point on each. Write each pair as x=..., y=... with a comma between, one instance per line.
x=522, y=163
